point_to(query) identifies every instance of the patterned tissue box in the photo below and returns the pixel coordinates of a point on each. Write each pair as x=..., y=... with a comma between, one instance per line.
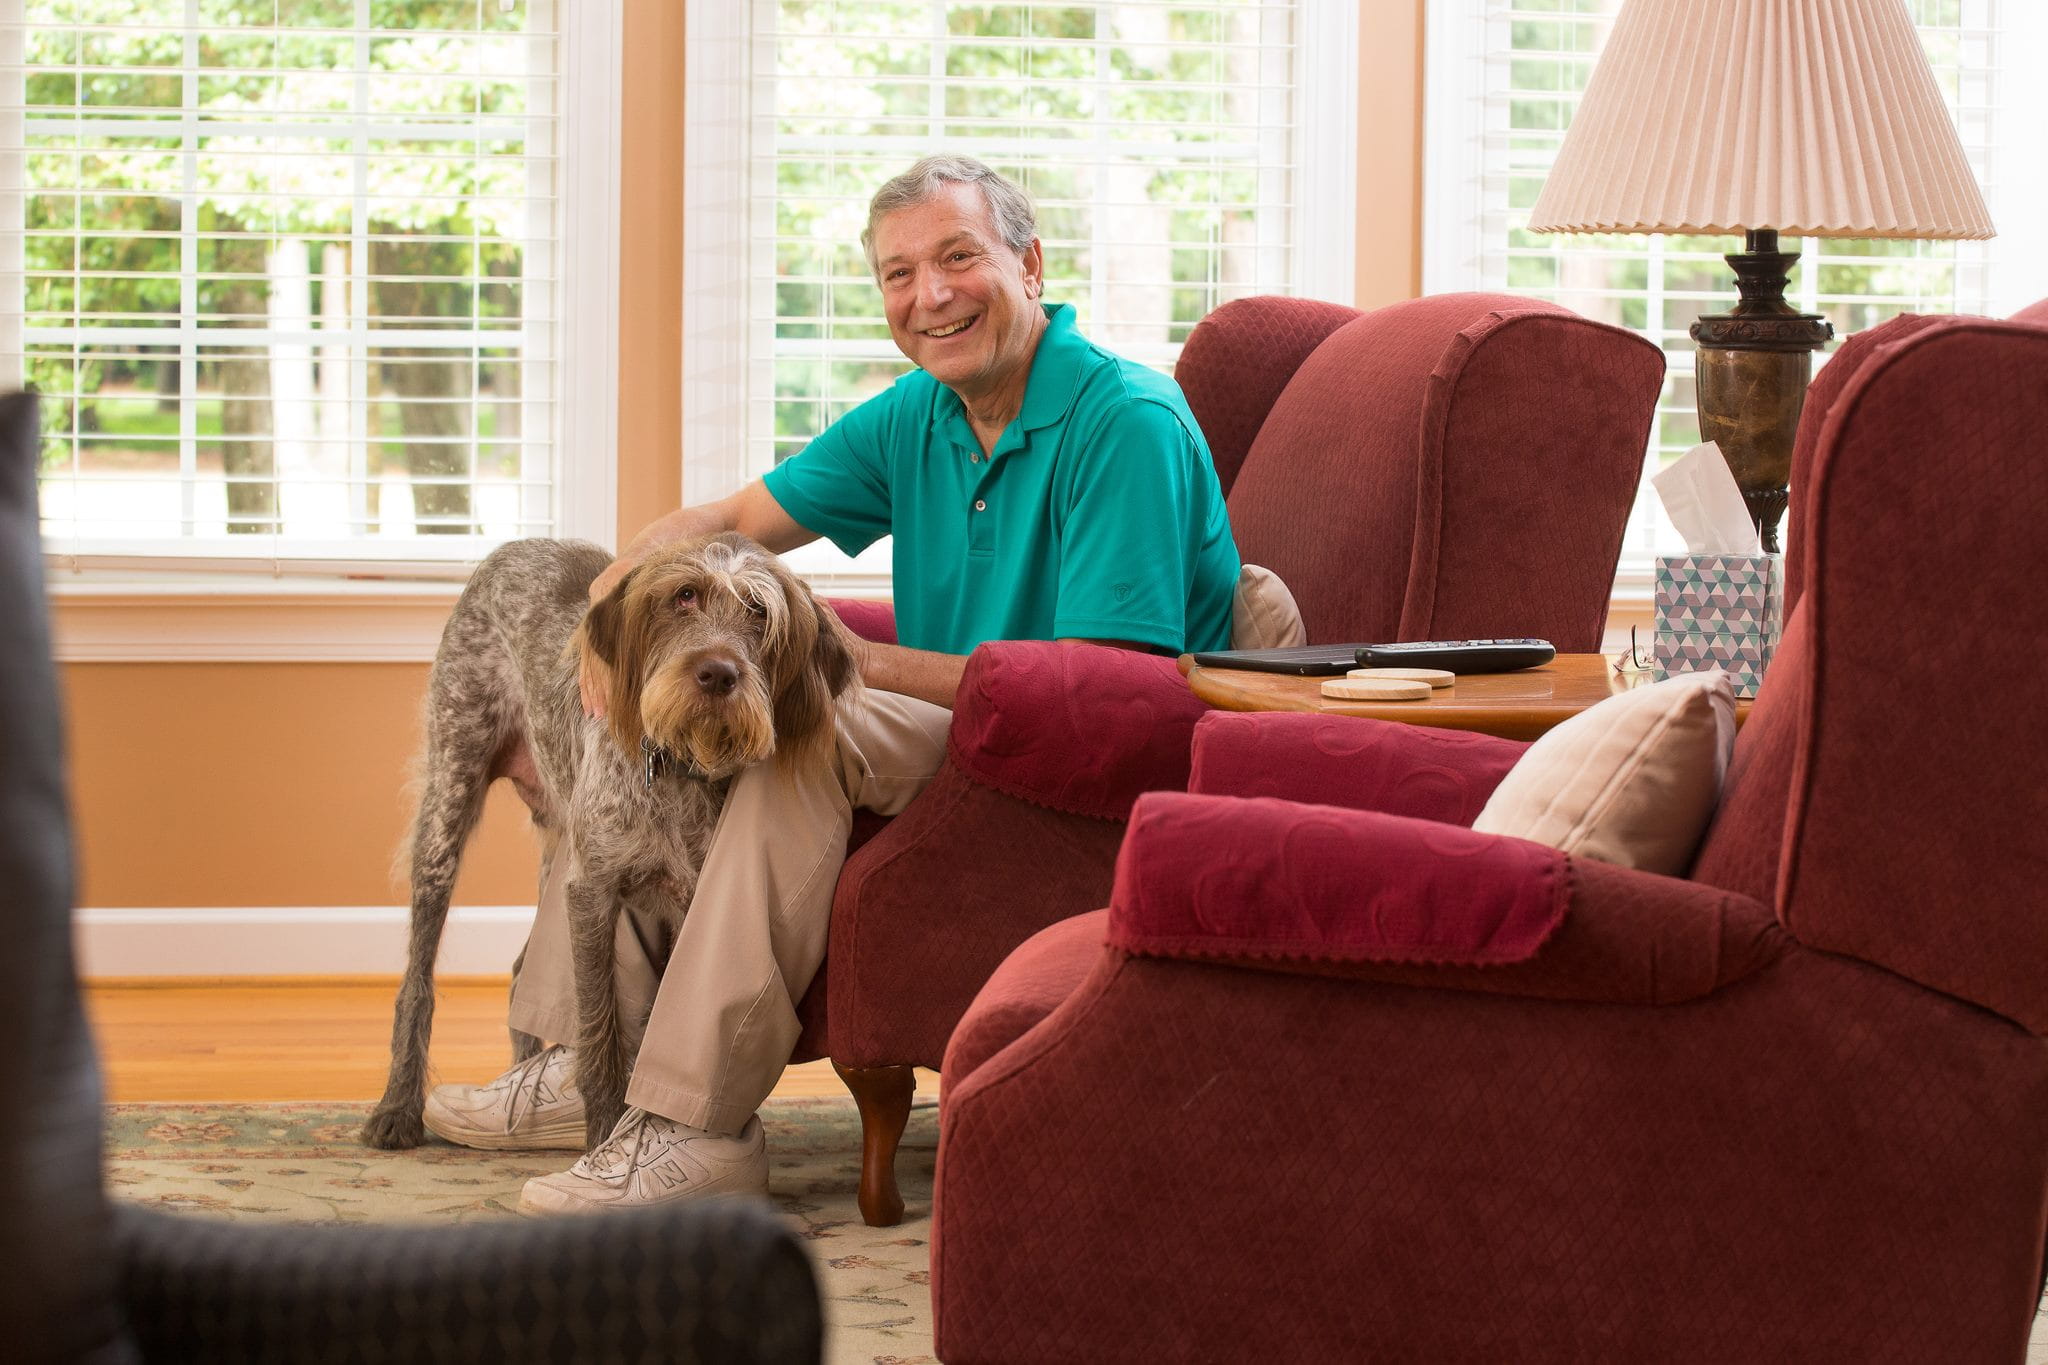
x=1719, y=611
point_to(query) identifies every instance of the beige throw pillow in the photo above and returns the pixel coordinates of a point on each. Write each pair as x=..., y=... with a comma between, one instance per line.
x=1632, y=781
x=1263, y=614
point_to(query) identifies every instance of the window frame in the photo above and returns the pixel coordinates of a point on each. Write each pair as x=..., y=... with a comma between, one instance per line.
x=168, y=607
x=718, y=122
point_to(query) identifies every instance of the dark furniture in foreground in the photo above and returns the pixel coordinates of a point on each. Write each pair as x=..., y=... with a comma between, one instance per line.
x=85, y=1280
x=1335, y=1078
x=1458, y=466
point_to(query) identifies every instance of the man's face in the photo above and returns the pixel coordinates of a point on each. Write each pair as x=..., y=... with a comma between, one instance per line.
x=960, y=303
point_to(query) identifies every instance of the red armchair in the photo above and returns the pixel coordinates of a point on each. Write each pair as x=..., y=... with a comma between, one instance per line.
x=1348, y=1081
x=1452, y=466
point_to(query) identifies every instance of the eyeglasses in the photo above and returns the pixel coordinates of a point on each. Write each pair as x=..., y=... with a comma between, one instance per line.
x=1632, y=659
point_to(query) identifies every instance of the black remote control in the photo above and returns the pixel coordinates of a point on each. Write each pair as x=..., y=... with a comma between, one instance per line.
x=1306, y=661
x=1459, y=656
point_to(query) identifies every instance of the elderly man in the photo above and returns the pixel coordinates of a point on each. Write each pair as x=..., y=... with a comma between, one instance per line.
x=1037, y=487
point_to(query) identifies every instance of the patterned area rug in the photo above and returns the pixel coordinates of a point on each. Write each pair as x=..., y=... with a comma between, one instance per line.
x=301, y=1163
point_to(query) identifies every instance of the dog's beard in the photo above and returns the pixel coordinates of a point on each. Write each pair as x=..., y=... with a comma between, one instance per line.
x=720, y=735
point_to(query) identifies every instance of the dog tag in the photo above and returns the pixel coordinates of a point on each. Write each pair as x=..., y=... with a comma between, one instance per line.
x=1375, y=689
x=1435, y=677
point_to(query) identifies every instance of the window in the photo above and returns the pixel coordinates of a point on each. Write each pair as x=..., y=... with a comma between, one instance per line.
x=290, y=275
x=1181, y=153
x=1504, y=78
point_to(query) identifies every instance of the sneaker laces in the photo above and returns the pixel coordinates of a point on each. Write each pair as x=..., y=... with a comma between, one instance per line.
x=525, y=1080
x=601, y=1158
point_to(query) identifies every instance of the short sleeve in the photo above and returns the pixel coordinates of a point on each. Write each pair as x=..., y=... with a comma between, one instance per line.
x=838, y=486
x=1132, y=529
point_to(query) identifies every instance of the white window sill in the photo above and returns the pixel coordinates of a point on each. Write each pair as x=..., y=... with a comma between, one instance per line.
x=191, y=618
x=172, y=617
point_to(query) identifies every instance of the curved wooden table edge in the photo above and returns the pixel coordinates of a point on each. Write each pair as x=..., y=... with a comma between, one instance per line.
x=1523, y=718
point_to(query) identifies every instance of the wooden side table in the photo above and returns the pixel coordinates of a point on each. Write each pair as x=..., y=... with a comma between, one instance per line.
x=1518, y=705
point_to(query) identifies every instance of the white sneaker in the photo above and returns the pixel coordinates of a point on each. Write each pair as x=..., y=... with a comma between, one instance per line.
x=652, y=1160
x=533, y=1106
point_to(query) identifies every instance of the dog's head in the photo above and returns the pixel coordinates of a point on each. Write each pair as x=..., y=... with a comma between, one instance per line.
x=719, y=654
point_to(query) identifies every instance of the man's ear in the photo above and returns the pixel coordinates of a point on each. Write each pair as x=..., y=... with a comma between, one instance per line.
x=609, y=632
x=1034, y=270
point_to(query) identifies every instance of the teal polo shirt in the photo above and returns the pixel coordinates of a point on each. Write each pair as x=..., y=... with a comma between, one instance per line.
x=1097, y=515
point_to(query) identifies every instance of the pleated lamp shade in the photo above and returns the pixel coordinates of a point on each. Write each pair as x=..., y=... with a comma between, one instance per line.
x=1811, y=117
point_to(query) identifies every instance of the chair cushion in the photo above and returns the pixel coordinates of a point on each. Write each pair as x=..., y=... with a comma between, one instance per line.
x=1631, y=781
x=1263, y=614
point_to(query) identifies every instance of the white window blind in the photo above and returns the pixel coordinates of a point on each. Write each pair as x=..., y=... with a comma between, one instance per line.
x=1505, y=81
x=285, y=273
x=1161, y=140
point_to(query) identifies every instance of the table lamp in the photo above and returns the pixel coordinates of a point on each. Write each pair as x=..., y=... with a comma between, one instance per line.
x=1814, y=118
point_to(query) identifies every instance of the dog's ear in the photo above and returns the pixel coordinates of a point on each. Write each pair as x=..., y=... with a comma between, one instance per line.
x=817, y=666
x=614, y=634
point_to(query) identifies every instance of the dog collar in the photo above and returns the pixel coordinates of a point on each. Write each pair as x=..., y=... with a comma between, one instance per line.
x=657, y=758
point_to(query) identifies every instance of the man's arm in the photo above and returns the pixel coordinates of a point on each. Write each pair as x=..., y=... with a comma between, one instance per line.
x=933, y=677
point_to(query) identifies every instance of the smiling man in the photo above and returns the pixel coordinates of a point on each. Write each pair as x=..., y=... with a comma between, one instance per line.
x=1038, y=487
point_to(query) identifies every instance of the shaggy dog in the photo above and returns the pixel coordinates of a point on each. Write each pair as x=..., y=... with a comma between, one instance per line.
x=718, y=658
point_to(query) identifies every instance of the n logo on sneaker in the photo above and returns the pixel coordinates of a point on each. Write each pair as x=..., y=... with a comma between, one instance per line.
x=670, y=1174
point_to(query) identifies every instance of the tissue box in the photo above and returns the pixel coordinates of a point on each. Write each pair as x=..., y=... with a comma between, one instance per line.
x=1719, y=611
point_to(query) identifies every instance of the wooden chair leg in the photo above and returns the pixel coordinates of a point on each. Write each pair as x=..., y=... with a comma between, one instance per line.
x=883, y=1094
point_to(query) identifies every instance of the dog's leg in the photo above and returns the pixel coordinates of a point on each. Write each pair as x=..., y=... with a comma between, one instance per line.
x=601, y=1060
x=460, y=743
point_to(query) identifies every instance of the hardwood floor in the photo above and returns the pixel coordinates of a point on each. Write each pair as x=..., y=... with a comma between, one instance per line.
x=309, y=1039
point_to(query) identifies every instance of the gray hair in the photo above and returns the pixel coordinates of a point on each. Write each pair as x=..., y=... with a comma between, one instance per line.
x=1009, y=206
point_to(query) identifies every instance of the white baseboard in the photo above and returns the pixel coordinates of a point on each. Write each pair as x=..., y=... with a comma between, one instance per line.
x=320, y=940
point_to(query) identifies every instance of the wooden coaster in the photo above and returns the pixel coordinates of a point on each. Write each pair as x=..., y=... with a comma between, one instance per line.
x=1435, y=677
x=1375, y=689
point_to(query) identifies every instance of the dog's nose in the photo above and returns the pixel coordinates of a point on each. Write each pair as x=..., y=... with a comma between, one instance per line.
x=717, y=676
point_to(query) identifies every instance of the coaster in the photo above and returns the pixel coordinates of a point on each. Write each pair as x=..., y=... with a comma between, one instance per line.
x=1375, y=689
x=1435, y=677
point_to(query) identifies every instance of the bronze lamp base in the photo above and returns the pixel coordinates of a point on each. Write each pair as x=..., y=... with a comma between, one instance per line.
x=1750, y=382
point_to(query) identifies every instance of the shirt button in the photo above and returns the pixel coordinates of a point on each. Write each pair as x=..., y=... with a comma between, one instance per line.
x=980, y=505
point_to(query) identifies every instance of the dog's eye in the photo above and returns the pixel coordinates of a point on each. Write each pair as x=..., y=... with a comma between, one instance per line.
x=686, y=597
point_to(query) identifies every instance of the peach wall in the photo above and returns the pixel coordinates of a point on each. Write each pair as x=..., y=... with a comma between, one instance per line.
x=282, y=784
x=1389, y=151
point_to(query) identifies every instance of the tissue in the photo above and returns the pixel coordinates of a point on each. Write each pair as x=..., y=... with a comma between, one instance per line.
x=1721, y=604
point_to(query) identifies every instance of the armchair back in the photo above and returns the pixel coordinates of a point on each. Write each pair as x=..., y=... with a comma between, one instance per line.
x=1449, y=467
x=1886, y=794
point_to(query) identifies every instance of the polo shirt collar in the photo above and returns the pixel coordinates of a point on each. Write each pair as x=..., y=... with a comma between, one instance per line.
x=1055, y=369
x=1048, y=393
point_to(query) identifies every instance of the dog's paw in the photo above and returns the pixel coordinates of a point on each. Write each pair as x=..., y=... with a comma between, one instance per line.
x=394, y=1128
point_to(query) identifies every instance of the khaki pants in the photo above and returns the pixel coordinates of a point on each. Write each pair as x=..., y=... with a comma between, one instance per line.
x=722, y=1019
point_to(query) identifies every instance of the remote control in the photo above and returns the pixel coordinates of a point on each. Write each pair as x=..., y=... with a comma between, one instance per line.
x=1460, y=656
x=1306, y=661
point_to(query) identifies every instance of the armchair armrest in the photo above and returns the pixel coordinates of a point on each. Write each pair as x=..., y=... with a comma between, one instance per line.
x=1431, y=774
x=869, y=619
x=1078, y=728
x=1322, y=891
